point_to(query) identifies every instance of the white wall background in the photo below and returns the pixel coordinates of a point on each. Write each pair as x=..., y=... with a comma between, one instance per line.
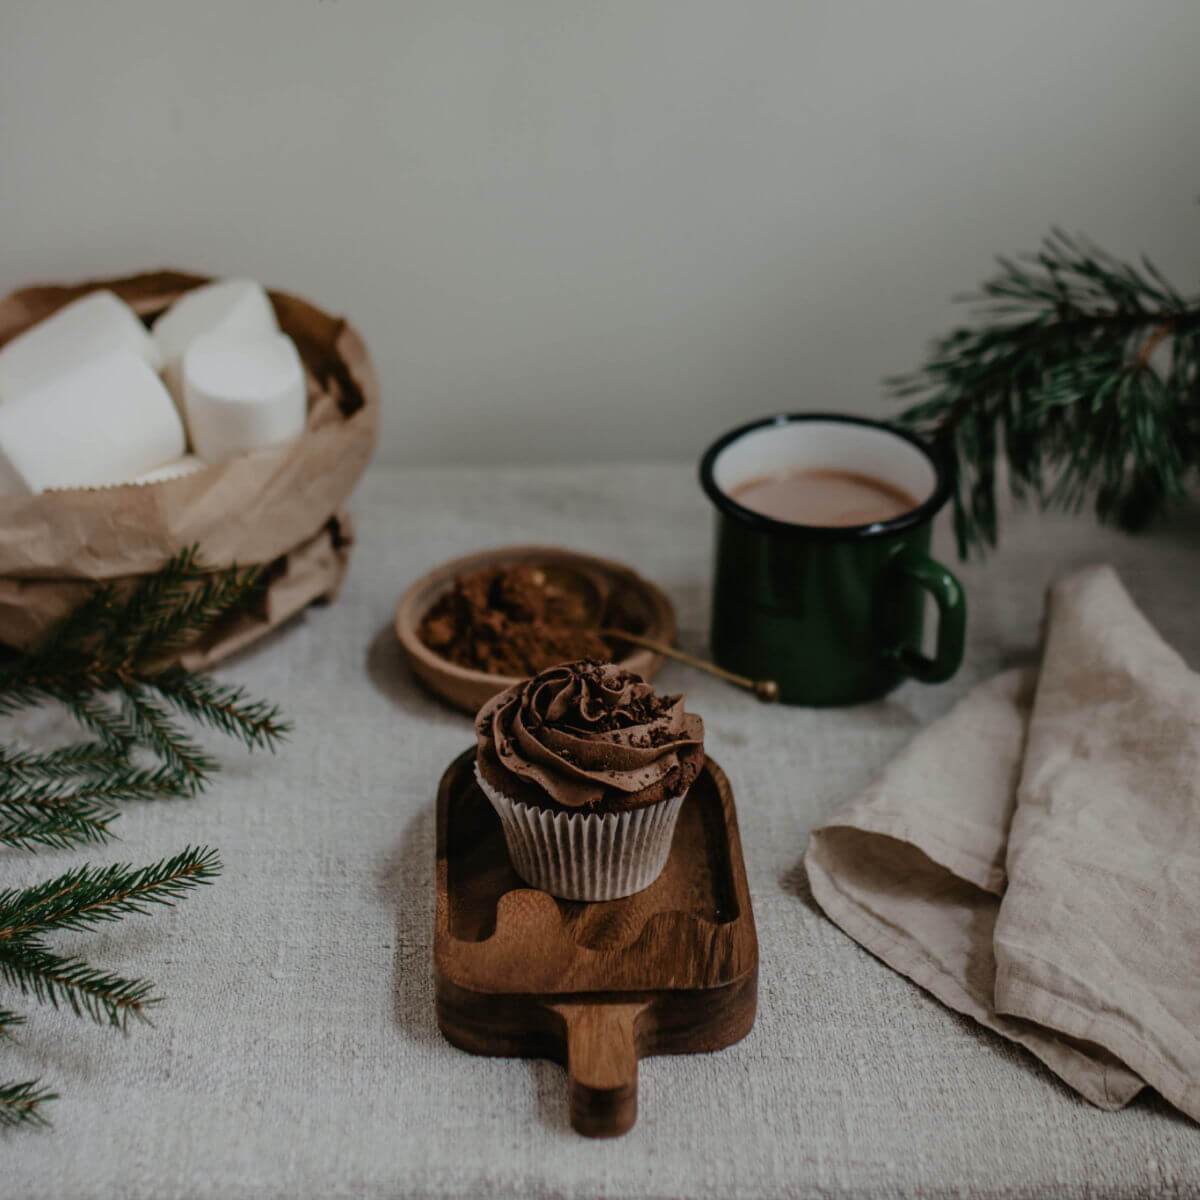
x=594, y=230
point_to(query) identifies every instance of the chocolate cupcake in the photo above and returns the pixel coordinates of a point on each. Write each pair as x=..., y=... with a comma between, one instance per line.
x=587, y=768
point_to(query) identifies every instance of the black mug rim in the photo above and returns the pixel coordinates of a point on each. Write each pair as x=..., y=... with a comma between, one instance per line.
x=925, y=511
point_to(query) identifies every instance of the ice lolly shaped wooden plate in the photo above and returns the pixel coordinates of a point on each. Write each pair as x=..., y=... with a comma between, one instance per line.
x=596, y=987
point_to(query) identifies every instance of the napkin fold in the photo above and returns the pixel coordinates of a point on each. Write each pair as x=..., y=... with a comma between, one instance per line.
x=1032, y=859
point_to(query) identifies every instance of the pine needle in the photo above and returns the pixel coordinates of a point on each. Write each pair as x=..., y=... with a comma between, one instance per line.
x=226, y=708
x=86, y=896
x=105, y=664
x=77, y=759
x=81, y=899
x=152, y=727
x=70, y=797
x=21, y=1103
x=1083, y=372
x=116, y=734
x=122, y=782
x=27, y=826
x=104, y=997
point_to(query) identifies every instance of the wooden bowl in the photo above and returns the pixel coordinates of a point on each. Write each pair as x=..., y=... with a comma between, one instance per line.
x=468, y=689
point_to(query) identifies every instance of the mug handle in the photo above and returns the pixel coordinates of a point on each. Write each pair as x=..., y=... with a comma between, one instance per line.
x=951, y=603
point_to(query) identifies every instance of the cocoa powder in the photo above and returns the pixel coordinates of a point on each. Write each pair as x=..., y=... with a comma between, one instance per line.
x=511, y=621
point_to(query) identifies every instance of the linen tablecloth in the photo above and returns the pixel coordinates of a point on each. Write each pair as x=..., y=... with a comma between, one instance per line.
x=296, y=1054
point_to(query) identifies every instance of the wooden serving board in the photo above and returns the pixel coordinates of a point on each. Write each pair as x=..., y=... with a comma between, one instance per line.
x=671, y=970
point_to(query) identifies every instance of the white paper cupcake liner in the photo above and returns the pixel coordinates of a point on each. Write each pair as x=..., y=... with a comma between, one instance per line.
x=586, y=856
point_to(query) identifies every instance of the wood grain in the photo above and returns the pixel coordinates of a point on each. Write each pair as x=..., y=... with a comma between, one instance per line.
x=596, y=987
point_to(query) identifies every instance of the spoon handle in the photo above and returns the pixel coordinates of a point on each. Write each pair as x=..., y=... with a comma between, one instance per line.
x=767, y=690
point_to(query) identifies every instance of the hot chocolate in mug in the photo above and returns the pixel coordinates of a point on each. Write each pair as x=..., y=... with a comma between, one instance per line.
x=822, y=557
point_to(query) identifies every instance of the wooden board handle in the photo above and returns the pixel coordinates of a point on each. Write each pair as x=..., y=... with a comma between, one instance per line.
x=602, y=1063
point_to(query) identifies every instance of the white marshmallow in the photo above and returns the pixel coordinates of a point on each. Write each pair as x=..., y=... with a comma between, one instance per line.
x=189, y=464
x=92, y=325
x=243, y=395
x=107, y=421
x=234, y=308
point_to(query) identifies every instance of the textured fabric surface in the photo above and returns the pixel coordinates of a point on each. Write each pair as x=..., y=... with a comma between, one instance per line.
x=296, y=1053
x=1033, y=858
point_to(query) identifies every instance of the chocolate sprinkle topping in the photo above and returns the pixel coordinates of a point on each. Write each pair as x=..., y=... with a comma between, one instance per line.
x=590, y=734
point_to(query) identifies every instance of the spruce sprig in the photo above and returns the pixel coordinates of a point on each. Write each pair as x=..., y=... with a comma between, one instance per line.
x=87, y=896
x=64, y=762
x=120, y=639
x=120, y=644
x=150, y=725
x=223, y=707
x=82, y=899
x=54, y=979
x=21, y=1103
x=109, y=663
x=28, y=826
x=62, y=810
x=1082, y=372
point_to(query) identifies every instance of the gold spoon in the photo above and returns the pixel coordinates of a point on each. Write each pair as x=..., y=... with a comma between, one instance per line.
x=592, y=596
x=767, y=690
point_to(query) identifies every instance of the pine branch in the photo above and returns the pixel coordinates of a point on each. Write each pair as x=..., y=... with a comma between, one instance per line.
x=223, y=707
x=1083, y=372
x=21, y=1103
x=27, y=827
x=115, y=636
x=153, y=599
x=152, y=727
x=62, y=812
x=105, y=663
x=88, y=621
x=122, y=783
x=80, y=759
x=86, y=896
x=114, y=732
x=70, y=796
x=104, y=997
x=16, y=693
x=174, y=626
x=115, y=644
x=81, y=899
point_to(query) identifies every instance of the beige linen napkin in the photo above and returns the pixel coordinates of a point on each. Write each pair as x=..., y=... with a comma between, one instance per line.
x=1033, y=858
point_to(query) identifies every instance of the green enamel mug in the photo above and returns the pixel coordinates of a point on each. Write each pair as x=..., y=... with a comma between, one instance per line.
x=833, y=614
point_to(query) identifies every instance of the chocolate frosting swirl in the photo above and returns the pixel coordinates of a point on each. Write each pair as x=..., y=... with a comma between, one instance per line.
x=587, y=733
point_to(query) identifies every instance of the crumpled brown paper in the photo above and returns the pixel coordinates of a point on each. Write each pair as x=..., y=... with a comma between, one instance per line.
x=280, y=509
